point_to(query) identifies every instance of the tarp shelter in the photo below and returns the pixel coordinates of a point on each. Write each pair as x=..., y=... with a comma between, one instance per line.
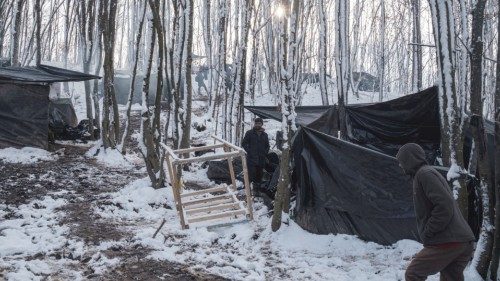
x=24, y=103
x=356, y=186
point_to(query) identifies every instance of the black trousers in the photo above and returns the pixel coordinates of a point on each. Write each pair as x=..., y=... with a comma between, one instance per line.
x=255, y=173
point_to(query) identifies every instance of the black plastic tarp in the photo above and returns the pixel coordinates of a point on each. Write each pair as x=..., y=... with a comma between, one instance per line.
x=386, y=126
x=345, y=188
x=24, y=115
x=305, y=114
x=383, y=127
x=41, y=74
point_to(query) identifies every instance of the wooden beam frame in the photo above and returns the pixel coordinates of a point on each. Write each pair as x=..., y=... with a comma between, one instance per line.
x=206, y=206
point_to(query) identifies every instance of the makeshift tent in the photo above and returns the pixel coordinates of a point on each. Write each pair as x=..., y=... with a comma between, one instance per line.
x=24, y=103
x=356, y=186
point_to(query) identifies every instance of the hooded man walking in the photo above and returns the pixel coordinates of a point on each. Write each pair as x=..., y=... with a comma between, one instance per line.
x=447, y=238
x=256, y=144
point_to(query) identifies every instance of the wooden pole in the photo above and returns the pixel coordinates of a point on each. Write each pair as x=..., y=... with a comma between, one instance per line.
x=247, y=185
x=175, y=189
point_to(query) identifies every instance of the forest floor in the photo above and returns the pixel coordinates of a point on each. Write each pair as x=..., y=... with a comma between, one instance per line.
x=50, y=227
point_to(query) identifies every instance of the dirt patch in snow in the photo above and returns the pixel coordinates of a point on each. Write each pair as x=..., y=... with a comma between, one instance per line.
x=107, y=251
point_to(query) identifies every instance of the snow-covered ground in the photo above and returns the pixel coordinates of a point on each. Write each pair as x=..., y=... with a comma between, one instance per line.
x=25, y=155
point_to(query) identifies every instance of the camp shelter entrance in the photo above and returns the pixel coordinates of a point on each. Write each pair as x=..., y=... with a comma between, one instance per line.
x=24, y=103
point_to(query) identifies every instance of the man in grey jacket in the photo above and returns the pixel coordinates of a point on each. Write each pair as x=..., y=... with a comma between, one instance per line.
x=447, y=238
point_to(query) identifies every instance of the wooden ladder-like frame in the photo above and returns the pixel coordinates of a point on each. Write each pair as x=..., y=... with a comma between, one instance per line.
x=220, y=206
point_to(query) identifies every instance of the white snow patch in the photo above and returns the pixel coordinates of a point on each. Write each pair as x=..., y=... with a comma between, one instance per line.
x=110, y=157
x=26, y=155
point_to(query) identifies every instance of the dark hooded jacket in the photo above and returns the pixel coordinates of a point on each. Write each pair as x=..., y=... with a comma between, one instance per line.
x=256, y=144
x=439, y=219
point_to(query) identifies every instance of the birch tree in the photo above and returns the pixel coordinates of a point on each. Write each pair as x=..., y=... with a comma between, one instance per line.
x=16, y=33
x=288, y=59
x=416, y=47
x=342, y=59
x=494, y=267
x=322, y=51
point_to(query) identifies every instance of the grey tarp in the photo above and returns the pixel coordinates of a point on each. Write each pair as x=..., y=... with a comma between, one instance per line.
x=321, y=118
x=24, y=111
x=41, y=74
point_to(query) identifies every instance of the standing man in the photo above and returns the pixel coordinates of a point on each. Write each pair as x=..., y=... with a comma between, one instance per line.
x=447, y=238
x=256, y=144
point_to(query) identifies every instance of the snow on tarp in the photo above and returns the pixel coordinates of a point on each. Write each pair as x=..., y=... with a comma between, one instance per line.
x=41, y=74
x=24, y=115
x=341, y=190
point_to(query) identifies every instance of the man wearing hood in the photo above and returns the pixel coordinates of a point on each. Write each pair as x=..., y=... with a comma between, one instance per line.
x=447, y=238
x=256, y=144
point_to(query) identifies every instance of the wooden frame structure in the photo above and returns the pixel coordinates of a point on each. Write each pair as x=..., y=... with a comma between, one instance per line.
x=224, y=204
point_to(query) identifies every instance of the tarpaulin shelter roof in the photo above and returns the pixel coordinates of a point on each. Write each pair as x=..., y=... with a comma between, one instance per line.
x=305, y=114
x=41, y=74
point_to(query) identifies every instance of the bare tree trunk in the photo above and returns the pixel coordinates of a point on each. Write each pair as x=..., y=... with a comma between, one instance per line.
x=416, y=48
x=109, y=136
x=381, y=67
x=186, y=120
x=451, y=122
x=240, y=84
x=477, y=123
x=288, y=59
x=342, y=59
x=496, y=245
x=126, y=131
x=322, y=52
x=38, y=11
x=14, y=51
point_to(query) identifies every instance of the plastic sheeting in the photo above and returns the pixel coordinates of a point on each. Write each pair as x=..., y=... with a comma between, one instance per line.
x=24, y=115
x=386, y=126
x=62, y=114
x=305, y=114
x=345, y=188
x=41, y=74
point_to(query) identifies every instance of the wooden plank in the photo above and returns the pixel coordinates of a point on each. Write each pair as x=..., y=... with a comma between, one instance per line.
x=169, y=151
x=228, y=143
x=203, y=191
x=248, y=193
x=205, y=200
x=175, y=189
x=217, y=216
x=211, y=203
x=207, y=157
x=234, y=205
x=231, y=172
x=198, y=148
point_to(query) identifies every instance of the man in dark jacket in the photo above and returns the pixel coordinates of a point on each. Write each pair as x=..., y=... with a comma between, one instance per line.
x=447, y=238
x=256, y=144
